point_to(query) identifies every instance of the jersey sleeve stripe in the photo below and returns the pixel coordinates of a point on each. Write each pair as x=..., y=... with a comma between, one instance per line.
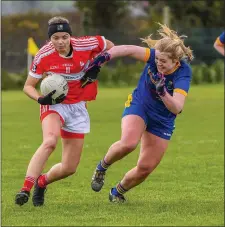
x=87, y=39
x=42, y=52
x=45, y=48
x=39, y=57
x=37, y=76
x=218, y=42
x=84, y=44
x=104, y=41
x=84, y=41
x=84, y=48
x=181, y=91
x=147, y=54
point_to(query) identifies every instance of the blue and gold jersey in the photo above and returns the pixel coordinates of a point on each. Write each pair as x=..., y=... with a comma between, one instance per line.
x=178, y=80
x=221, y=39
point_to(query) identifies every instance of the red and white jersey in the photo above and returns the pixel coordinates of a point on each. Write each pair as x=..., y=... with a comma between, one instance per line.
x=49, y=61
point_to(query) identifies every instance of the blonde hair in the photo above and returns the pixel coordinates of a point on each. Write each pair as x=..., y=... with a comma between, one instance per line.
x=170, y=43
x=56, y=20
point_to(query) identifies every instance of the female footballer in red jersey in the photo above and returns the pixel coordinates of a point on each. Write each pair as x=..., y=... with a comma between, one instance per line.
x=219, y=43
x=70, y=57
x=151, y=109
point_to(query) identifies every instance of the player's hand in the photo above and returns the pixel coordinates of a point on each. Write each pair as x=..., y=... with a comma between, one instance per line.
x=90, y=76
x=59, y=99
x=160, y=85
x=99, y=60
x=48, y=100
x=94, y=68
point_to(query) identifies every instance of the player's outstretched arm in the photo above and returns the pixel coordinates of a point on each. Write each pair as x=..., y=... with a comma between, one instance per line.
x=137, y=52
x=133, y=51
x=109, y=44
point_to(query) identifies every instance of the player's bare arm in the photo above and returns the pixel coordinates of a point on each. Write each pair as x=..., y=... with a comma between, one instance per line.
x=136, y=52
x=29, y=87
x=109, y=44
x=174, y=103
x=133, y=51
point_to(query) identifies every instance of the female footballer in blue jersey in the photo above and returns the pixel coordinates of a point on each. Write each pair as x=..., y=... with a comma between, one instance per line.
x=219, y=43
x=150, y=110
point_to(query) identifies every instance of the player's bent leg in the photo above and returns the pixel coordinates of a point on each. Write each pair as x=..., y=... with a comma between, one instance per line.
x=72, y=148
x=51, y=130
x=51, y=125
x=72, y=133
x=132, y=128
x=152, y=151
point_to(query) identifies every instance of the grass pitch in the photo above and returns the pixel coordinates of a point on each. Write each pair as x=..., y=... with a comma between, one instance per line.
x=186, y=189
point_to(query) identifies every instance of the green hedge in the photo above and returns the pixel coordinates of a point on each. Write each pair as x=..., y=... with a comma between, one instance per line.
x=213, y=73
x=120, y=74
x=123, y=74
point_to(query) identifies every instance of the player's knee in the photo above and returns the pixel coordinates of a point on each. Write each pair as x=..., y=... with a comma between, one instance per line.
x=129, y=145
x=144, y=170
x=50, y=143
x=68, y=170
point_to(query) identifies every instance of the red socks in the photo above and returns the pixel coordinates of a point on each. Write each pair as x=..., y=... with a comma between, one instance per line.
x=42, y=181
x=28, y=183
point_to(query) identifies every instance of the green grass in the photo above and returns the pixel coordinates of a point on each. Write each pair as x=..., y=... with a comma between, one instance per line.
x=186, y=189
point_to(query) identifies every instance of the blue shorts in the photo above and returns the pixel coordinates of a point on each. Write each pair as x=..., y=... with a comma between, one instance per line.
x=153, y=125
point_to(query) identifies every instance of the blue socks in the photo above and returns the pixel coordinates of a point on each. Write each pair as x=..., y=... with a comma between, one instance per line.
x=103, y=166
x=118, y=190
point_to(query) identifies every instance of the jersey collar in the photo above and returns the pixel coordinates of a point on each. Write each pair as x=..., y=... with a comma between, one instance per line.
x=174, y=69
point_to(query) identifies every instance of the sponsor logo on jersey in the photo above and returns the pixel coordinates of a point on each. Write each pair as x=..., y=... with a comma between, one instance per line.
x=73, y=76
x=67, y=64
x=54, y=67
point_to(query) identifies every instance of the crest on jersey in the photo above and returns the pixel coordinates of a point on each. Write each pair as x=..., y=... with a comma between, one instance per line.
x=59, y=27
x=170, y=86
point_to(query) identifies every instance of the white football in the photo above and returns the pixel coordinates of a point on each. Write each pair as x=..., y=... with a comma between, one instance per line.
x=54, y=82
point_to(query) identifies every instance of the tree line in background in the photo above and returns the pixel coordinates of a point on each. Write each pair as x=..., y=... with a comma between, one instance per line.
x=202, y=21
x=193, y=13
